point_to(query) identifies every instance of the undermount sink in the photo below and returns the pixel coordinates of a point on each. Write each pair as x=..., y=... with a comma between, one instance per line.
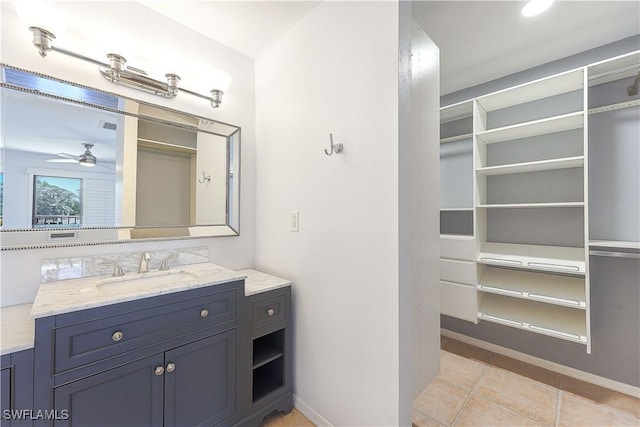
x=154, y=276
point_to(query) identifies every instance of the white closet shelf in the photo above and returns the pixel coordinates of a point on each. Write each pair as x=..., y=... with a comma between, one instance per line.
x=456, y=111
x=547, y=288
x=537, y=166
x=533, y=205
x=456, y=138
x=456, y=209
x=560, y=322
x=544, y=126
x=533, y=257
x=557, y=84
x=614, y=68
x=456, y=237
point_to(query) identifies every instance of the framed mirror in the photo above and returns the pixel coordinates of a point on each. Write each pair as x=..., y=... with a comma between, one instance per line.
x=80, y=166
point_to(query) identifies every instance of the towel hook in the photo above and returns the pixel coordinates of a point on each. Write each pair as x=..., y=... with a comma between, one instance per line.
x=333, y=148
x=204, y=178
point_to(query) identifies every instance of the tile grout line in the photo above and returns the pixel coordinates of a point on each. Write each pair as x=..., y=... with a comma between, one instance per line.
x=490, y=363
x=427, y=416
x=473, y=389
x=529, y=380
x=558, y=408
x=620, y=412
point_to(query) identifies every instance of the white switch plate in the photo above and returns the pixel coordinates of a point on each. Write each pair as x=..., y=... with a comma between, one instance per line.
x=294, y=218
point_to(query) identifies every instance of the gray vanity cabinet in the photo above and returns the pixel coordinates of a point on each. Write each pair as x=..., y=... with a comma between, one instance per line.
x=166, y=361
x=268, y=385
x=16, y=388
x=190, y=385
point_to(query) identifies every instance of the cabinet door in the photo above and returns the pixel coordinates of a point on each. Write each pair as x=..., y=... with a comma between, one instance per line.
x=200, y=382
x=130, y=395
x=16, y=388
x=5, y=388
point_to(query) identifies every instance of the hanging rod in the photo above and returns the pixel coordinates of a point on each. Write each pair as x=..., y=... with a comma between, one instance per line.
x=612, y=107
x=631, y=255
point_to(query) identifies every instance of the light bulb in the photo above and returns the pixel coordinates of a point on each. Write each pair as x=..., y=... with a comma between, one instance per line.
x=219, y=80
x=536, y=7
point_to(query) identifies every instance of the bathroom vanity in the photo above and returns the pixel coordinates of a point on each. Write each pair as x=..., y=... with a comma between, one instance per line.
x=202, y=345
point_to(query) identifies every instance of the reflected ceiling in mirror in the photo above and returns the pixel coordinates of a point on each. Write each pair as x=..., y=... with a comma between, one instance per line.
x=83, y=166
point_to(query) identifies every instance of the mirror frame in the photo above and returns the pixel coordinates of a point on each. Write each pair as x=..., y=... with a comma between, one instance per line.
x=27, y=238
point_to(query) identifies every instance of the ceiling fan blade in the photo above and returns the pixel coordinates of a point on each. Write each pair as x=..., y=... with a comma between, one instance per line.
x=60, y=160
x=68, y=156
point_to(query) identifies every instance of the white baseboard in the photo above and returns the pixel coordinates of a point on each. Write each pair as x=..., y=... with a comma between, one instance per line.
x=552, y=366
x=310, y=413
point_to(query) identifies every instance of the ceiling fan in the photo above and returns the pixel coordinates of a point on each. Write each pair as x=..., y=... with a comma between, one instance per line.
x=84, y=159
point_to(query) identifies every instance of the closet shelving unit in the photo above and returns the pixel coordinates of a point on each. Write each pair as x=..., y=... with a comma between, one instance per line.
x=458, y=295
x=529, y=243
x=528, y=283
x=518, y=171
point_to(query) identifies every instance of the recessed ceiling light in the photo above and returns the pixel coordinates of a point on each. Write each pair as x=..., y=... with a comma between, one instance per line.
x=536, y=7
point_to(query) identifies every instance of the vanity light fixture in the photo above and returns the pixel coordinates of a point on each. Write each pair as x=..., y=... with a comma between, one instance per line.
x=117, y=71
x=536, y=7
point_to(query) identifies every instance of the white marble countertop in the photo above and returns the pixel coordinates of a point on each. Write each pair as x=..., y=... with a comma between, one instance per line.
x=17, y=328
x=17, y=323
x=89, y=292
x=257, y=282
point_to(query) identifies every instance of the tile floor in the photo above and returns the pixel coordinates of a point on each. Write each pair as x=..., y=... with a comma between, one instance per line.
x=476, y=387
x=292, y=419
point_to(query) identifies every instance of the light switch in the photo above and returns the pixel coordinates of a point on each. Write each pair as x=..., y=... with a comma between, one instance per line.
x=294, y=219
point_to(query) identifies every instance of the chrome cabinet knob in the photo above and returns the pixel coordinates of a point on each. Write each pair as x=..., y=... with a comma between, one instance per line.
x=159, y=370
x=117, y=336
x=171, y=367
x=271, y=312
x=204, y=313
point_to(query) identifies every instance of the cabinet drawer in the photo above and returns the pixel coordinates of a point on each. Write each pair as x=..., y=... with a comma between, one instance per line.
x=456, y=247
x=459, y=301
x=91, y=341
x=269, y=311
x=458, y=271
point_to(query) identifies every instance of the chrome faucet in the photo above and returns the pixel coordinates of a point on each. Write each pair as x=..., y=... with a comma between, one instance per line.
x=164, y=265
x=144, y=262
x=117, y=268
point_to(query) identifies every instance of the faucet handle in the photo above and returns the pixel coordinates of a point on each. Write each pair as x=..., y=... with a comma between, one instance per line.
x=164, y=265
x=117, y=268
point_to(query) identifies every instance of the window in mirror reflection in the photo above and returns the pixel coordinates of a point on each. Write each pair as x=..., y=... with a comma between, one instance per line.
x=56, y=202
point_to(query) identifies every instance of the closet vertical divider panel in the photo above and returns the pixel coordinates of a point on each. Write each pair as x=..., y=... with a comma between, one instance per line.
x=479, y=188
x=585, y=150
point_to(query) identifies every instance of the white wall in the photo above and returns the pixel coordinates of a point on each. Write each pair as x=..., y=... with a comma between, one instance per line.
x=337, y=71
x=160, y=40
